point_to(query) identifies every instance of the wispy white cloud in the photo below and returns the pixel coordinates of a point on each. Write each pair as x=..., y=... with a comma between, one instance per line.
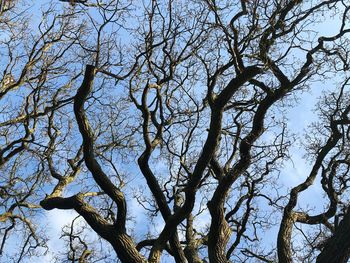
x=55, y=220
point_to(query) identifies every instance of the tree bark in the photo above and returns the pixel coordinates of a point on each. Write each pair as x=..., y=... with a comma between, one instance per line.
x=337, y=248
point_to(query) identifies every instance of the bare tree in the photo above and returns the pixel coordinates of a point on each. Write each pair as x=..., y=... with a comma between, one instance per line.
x=177, y=110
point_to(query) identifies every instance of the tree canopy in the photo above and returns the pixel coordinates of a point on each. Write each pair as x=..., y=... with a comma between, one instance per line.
x=165, y=128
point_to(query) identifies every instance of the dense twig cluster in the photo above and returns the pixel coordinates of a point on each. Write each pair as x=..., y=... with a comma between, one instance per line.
x=176, y=109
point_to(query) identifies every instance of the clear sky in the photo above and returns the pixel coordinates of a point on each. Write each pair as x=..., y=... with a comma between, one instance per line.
x=300, y=115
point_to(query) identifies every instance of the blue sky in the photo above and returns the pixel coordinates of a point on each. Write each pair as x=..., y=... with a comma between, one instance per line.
x=300, y=116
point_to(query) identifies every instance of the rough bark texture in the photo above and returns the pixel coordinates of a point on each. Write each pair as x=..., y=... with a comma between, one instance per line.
x=219, y=234
x=284, y=239
x=115, y=234
x=199, y=93
x=337, y=247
